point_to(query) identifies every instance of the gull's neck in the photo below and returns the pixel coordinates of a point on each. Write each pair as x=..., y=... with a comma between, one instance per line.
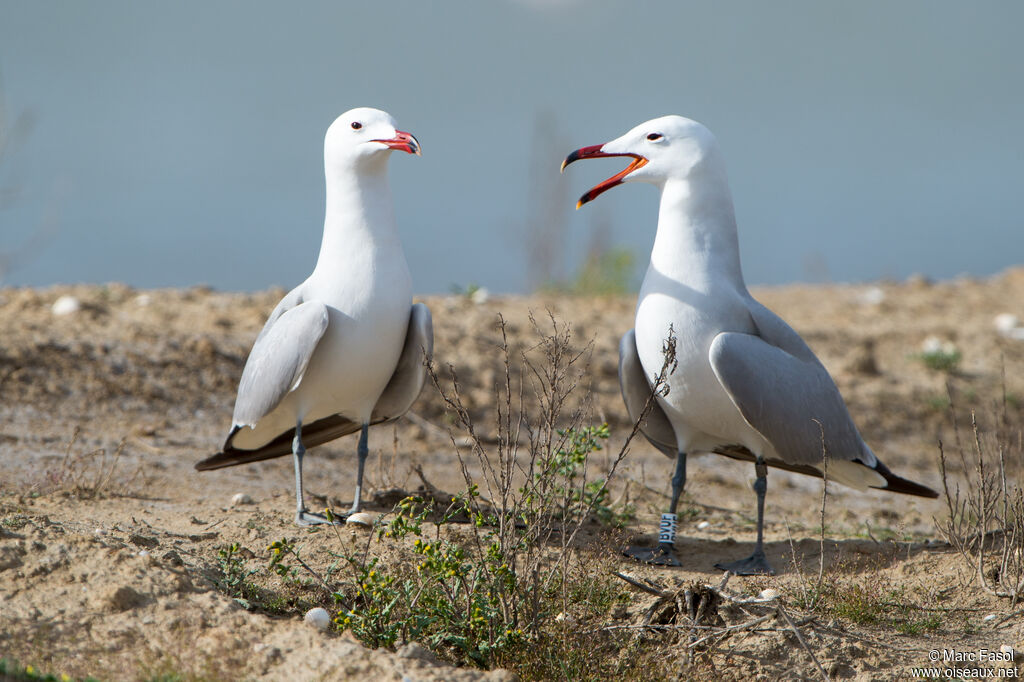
x=360, y=217
x=696, y=243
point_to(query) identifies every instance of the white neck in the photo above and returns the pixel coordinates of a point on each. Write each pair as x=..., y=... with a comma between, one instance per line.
x=359, y=215
x=696, y=243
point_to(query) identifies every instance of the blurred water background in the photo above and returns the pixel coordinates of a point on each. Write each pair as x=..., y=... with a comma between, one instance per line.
x=171, y=144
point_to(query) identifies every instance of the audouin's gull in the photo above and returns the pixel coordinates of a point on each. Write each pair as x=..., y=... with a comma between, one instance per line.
x=746, y=385
x=345, y=349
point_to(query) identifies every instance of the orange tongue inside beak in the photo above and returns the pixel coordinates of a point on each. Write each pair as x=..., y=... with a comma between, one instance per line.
x=595, y=152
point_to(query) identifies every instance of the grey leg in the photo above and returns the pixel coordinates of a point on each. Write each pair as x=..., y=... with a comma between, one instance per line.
x=303, y=517
x=362, y=452
x=664, y=553
x=756, y=563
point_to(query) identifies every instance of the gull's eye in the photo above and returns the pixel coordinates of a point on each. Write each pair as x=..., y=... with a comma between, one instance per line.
x=356, y=125
x=654, y=137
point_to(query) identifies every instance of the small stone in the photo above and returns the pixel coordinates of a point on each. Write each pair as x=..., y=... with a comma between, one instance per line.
x=703, y=525
x=145, y=541
x=66, y=305
x=769, y=594
x=1008, y=649
x=173, y=558
x=240, y=498
x=318, y=618
x=99, y=531
x=989, y=618
x=416, y=651
x=143, y=553
x=361, y=519
x=1005, y=323
x=871, y=296
x=124, y=598
x=142, y=300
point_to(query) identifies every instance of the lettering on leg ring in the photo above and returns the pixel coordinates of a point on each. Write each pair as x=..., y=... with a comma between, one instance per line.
x=667, y=529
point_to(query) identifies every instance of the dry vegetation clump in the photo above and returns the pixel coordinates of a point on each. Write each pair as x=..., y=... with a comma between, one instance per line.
x=87, y=474
x=985, y=522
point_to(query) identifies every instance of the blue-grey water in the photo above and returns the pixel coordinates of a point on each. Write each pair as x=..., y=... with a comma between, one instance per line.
x=169, y=144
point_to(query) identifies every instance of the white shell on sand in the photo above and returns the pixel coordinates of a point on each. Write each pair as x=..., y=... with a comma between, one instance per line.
x=240, y=498
x=361, y=519
x=66, y=305
x=318, y=617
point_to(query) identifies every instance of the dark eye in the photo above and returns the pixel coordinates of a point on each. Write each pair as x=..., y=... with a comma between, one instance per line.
x=654, y=136
x=356, y=125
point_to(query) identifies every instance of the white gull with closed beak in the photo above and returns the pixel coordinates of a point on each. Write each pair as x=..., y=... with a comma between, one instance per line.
x=746, y=385
x=345, y=349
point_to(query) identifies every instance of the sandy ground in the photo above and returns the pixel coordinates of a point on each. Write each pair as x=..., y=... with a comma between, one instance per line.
x=120, y=585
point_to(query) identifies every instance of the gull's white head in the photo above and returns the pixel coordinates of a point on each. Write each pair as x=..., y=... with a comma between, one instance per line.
x=363, y=137
x=661, y=149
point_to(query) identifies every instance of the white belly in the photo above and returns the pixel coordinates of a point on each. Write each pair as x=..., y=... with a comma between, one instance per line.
x=701, y=412
x=354, y=359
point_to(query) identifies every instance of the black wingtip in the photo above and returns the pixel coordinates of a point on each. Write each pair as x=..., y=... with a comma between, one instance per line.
x=897, y=484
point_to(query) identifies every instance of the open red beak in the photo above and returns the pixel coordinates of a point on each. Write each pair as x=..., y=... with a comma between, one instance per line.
x=404, y=141
x=593, y=153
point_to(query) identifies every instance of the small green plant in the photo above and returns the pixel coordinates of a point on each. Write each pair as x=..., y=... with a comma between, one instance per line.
x=569, y=467
x=445, y=597
x=234, y=576
x=940, y=356
x=605, y=273
x=12, y=671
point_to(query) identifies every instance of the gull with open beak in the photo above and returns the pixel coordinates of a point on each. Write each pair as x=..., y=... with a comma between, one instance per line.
x=345, y=349
x=745, y=384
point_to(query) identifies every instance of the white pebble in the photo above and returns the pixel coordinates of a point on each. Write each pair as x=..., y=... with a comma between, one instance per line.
x=871, y=296
x=360, y=519
x=1007, y=649
x=240, y=498
x=142, y=300
x=703, y=525
x=769, y=594
x=66, y=305
x=989, y=618
x=99, y=531
x=143, y=553
x=318, y=617
x=1005, y=323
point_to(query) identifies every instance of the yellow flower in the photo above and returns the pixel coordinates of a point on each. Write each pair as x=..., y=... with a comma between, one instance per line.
x=29, y=670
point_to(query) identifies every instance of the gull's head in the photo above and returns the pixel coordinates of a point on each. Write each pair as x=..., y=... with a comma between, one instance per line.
x=661, y=149
x=365, y=137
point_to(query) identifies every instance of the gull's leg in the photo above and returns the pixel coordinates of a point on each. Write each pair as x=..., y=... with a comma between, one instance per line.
x=302, y=516
x=362, y=452
x=664, y=553
x=756, y=563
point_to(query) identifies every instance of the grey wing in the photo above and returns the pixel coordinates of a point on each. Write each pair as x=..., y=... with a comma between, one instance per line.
x=279, y=358
x=636, y=391
x=290, y=300
x=410, y=374
x=785, y=393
